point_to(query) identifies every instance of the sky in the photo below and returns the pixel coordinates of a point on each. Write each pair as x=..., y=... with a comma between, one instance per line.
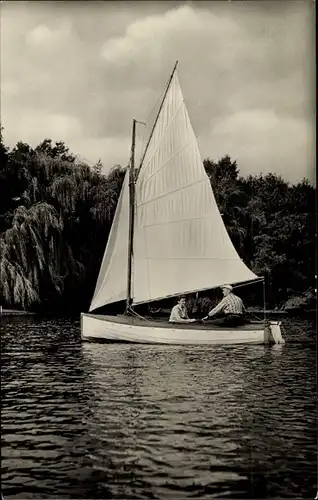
x=81, y=71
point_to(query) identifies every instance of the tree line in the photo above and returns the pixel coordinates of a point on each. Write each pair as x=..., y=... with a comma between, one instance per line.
x=56, y=214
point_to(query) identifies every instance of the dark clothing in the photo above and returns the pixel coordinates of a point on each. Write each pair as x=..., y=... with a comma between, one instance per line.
x=229, y=320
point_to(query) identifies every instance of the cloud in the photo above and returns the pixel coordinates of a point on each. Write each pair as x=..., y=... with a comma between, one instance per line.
x=43, y=37
x=33, y=126
x=82, y=71
x=108, y=149
x=41, y=34
x=262, y=142
x=186, y=34
x=157, y=37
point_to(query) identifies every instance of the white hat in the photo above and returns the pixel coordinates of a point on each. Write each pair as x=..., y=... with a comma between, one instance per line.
x=229, y=287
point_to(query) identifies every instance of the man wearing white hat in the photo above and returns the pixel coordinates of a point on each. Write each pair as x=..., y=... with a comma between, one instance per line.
x=231, y=307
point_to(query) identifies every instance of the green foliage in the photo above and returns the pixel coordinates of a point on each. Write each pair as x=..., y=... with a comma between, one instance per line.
x=56, y=214
x=59, y=150
x=27, y=248
x=305, y=300
x=55, y=219
x=271, y=224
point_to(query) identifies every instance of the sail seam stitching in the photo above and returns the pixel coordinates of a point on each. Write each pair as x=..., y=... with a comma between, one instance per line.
x=192, y=258
x=164, y=165
x=145, y=166
x=174, y=191
x=180, y=220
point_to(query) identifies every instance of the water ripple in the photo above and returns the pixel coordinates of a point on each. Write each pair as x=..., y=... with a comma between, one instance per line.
x=116, y=421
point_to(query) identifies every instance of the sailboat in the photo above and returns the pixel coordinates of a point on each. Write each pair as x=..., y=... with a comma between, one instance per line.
x=168, y=238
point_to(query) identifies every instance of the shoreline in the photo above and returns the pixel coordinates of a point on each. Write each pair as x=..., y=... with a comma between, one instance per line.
x=14, y=312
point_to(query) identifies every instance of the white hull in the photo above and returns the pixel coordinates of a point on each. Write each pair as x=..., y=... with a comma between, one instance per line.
x=135, y=330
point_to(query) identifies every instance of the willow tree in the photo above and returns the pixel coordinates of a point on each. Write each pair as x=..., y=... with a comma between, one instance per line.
x=55, y=223
x=27, y=248
x=56, y=214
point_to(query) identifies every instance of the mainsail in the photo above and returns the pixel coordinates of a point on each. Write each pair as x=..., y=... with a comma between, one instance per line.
x=180, y=242
x=112, y=280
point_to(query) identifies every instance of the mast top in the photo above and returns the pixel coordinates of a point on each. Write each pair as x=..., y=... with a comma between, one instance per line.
x=158, y=114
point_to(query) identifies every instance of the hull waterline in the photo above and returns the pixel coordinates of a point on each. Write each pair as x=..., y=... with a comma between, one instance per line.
x=95, y=328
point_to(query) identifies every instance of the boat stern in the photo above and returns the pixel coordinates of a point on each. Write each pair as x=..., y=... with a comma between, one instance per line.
x=82, y=325
x=273, y=333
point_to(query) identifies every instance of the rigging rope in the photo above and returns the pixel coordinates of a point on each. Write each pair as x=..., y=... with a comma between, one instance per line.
x=134, y=313
x=147, y=122
x=264, y=301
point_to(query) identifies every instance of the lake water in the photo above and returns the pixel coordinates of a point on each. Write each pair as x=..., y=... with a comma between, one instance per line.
x=162, y=422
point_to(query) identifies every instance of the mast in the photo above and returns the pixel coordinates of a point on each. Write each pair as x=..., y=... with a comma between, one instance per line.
x=131, y=215
x=132, y=190
x=157, y=117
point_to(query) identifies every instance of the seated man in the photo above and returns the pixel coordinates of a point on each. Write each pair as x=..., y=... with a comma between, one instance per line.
x=179, y=313
x=231, y=307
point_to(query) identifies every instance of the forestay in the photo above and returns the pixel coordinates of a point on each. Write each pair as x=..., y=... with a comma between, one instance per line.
x=112, y=280
x=180, y=242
